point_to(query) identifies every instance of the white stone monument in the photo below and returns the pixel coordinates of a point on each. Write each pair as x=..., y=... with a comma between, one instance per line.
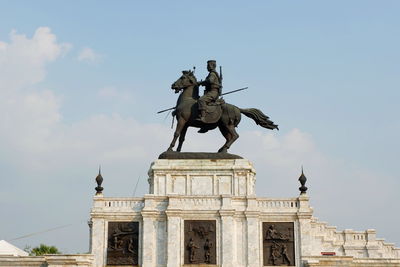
x=204, y=212
x=248, y=230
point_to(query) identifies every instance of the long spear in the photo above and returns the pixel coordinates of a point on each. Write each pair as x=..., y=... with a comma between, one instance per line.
x=227, y=93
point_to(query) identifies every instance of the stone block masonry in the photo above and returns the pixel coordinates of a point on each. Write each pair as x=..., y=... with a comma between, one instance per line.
x=205, y=212
x=222, y=192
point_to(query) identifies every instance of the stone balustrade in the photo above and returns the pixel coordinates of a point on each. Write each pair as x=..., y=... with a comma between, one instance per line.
x=103, y=204
x=118, y=204
x=358, y=244
x=290, y=204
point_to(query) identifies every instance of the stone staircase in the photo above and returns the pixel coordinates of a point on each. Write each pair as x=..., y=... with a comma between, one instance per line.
x=359, y=244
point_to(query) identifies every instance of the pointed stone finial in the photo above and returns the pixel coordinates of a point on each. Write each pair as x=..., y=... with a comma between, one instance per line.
x=302, y=180
x=99, y=181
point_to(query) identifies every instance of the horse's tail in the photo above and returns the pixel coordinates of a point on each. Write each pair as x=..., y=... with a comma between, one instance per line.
x=259, y=117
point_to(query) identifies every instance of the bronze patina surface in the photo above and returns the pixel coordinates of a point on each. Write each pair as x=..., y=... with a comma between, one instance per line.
x=197, y=155
x=213, y=89
x=209, y=111
x=200, y=238
x=278, y=244
x=123, y=243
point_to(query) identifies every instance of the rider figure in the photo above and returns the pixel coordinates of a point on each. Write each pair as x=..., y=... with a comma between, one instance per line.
x=213, y=88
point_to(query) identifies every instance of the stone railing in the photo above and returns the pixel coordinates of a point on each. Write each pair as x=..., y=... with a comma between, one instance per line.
x=278, y=205
x=118, y=204
x=195, y=203
x=102, y=204
x=359, y=244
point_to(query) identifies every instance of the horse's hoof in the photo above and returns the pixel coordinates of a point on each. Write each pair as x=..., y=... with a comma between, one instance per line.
x=223, y=150
x=169, y=149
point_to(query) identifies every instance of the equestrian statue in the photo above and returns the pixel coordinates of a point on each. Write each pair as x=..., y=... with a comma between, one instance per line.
x=209, y=111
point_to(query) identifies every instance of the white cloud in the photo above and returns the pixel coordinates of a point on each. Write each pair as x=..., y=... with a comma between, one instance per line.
x=23, y=59
x=28, y=116
x=88, y=55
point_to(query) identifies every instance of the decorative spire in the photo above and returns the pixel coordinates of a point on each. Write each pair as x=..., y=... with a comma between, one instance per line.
x=302, y=180
x=99, y=181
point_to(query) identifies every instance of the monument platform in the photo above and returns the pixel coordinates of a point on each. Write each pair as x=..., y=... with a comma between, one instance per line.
x=204, y=212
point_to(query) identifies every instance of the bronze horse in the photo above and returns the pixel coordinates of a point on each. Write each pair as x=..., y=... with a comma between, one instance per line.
x=186, y=112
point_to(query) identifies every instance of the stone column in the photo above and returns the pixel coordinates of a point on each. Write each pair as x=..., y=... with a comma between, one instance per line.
x=149, y=241
x=90, y=224
x=254, y=251
x=99, y=242
x=174, y=246
x=149, y=215
x=304, y=239
x=228, y=246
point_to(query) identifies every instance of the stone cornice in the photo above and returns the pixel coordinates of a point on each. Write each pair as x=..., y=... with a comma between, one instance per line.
x=252, y=214
x=230, y=212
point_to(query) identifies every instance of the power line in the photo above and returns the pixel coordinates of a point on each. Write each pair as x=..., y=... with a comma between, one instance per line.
x=41, y=232
x=134, y=191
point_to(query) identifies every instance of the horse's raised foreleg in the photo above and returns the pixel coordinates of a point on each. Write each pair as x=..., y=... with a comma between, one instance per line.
x=182, y=138
x=180, y=125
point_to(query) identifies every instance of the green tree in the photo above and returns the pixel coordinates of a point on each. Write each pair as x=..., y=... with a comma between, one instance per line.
x=43, y=249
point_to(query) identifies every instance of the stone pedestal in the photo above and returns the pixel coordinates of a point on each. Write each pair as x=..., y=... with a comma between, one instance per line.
x=202, y=177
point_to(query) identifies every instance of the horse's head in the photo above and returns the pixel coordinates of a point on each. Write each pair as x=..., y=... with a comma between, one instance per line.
x=187, y=79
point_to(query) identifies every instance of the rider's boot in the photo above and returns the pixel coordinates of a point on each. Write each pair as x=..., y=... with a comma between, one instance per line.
x=202, y=118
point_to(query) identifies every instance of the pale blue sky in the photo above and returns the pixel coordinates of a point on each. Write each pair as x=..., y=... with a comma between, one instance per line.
x=329, y=69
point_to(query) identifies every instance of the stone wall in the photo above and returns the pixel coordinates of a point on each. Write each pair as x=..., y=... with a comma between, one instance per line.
x=81, y=260
x=161, y=218
x=239, y=226
x=349, y=261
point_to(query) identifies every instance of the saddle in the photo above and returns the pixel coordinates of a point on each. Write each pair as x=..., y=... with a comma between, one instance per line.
x=214, y=111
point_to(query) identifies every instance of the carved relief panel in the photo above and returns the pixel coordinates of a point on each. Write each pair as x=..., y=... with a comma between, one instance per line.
x=123, y=243
x=278, y=244
x=200, y=242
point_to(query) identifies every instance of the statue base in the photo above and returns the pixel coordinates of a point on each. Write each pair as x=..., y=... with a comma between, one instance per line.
x=197, y=155
x=208, y=177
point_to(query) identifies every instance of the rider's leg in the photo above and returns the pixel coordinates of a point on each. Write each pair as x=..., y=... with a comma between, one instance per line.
x=203, y=101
